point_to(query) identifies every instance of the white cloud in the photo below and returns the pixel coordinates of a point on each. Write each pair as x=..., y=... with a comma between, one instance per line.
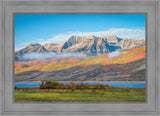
x=138, y=34
x=114, y=54
x=33, y=55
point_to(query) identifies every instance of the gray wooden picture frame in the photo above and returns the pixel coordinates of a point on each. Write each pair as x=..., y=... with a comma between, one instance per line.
x=149, y=7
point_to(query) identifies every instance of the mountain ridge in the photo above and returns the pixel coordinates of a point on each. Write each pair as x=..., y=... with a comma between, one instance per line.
x=88, y=44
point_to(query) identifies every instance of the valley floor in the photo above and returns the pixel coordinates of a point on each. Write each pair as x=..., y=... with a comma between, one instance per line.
x=115, y=94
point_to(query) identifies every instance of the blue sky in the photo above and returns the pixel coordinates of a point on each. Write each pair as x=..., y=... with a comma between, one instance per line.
x=56, y=28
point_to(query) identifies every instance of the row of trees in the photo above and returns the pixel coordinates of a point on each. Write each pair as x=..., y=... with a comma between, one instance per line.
x=71, y=85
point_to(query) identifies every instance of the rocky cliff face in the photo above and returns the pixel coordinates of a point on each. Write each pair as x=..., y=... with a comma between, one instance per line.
x=50, y=46
x=127, y=44
x=88, y=44
x=28, y=49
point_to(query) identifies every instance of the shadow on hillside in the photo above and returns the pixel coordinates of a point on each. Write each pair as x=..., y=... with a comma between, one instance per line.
x=96, y=72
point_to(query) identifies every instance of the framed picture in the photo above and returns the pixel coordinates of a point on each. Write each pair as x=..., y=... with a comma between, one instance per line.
x=80, y=66
x=79, y=57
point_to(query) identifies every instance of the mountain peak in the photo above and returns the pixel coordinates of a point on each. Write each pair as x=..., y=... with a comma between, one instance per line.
x=33, y=48
x=86, y=44
x=36, y=44
x=28, y=49
x=47, y=44
x=83, y=36
x=90, y=35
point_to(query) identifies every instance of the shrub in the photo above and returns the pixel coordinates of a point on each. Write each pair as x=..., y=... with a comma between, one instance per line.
x=71, y=85
x=50, y=85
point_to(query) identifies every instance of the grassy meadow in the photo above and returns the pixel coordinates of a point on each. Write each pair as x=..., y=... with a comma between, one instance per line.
x=78, y=92
x=123, y=94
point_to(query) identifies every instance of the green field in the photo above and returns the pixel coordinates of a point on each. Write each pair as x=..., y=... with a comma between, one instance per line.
x=112, y=94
